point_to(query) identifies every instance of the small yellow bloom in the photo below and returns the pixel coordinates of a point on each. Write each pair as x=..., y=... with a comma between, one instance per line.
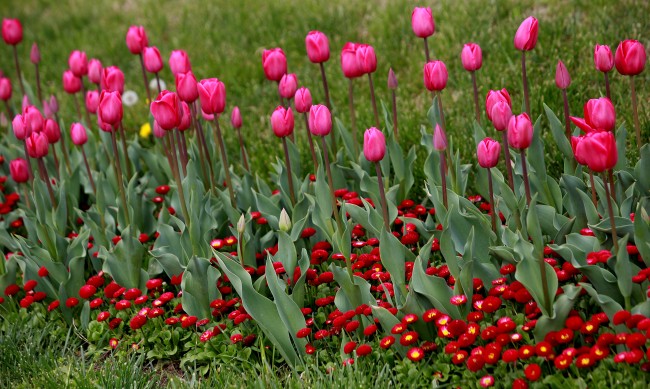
x=145, y=130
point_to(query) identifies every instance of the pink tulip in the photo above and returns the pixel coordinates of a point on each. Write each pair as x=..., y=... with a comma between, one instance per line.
x=179, y=62
x=78, y=63
x=318, y=47
x=488, y=151
x=52, y=130
x=562, y=77
x=575, y=141
x=471, y=57
x=5, y=88
x=92, y=101
x=21, y=131
x=54, y=104
x=630, y=57
x=152, y=60
x=603, y=58
x=35, y=54
x=37, y=145
x=288, y=85
x=520, y=131
x=158, y=132
x=186, y=117
x=19, y=170
x=320, y=120
x=136, y=39
x=349, y=62
x=493, y=97
x=207, y=116
x=501, y=114
x=274, y=63
x=439, y=139
x=95, y=71
x=598, y=150
x=526, y=36
x=212, y=93
x=435, y=76
x=366, y=59
x=104, y=126
x=422, y=22
x=392, y=79
x=302, y=100
x=186, y=87
x=12, y=31
x=374, y=145
x=113, y=79
x=78, y=134
x=235, y=118
x=282, y=121
x=600, y=114
x=33, y=118
x=110, y=109
x=166, y=110
x=71, y=83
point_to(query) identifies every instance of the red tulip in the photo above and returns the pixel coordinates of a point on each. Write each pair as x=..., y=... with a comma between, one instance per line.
x=71, y=83
x=562, y=77
x=21, y=131
x=288, y=85
x=167, y=110
x=51, y=130
x=186, y=117
x=92, y=101
x=282, y=121
x=302, y=100
x=152, y=60
x=603, y=58
x=212, y=93
x=630, y=57
x=12, y=31
x=318, y=47
x=113, y=79
x=235, y=118
x=136, y=39
x=78, y=63
x=35, y=54
x=422, y=22
x=526, y=36
x=500, y=114
x=598, y=150
x=78, y=134
x=19, y=170
x=471, y=57
x=600, y=114
x=33, y=118
x=320, y=120
x=186, y=87
x=5, y=88
x=95, y=71
x=439, y=139
x=274, y=63
x=179, y=62
x=37, y=145
x=366, y=59
x=493, y=97
x=110, y=108
x=575, y=141
x=488, y=151
x=349, y=62
x=435, y=76
x=520, y=131
x=374, y=145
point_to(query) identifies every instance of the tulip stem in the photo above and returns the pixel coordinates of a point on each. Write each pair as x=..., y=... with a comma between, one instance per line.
x=610, y=210
x=224, y=161
x=38, y=83
x=607, y=91
x=242, y=148
x=90, y=175
x=426, y=50
x=506, y=153
x=593, y=188
x=20, y=78
x=29, y=161
x=292, y=194
x=127, y=160
x=525, y=82
x=492, y=210
x=524, y=172
x=443, y=178
x=182, y=151
x=26, y=196
x=382, y=194
x=10, y=112
x=144, y=77
x=76, y=106
x=311, y=142
x=374, y=100
x=158, y=83
x=64, y=150
x=353, y=118
x=202, y=143
x=326, y=88
x=441, y=112
x=477, y=110
x=177, y=177
x=612, y=186
x=567, y=121
x=46, y=178
x=542, y=270
x=637, y=126
x=330, y=182
x=56, y=160
x=120, y=182
x=394, y=95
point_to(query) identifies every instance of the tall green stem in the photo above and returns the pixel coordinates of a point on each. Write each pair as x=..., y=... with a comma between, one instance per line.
x=610, y=211
x=353, y=117
x=177, y=178
x=224, y=161
x=292, y=195
x=120, y=182
x=330, y=182
x=382, y=194
x=524, y=172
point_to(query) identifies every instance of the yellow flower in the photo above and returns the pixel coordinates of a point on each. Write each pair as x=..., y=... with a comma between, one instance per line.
x=145, y=130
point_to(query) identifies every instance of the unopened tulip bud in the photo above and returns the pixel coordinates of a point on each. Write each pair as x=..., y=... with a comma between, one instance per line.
x=630, y=57
x=21, y=131
x=603, y=58
x=318, y=48
x=302, y=100
x=520, y=131
x=435, y=75
x=366, y=58
x=598, y=150
x=113, y=79
x=5, y=88
x=71, y=83
x=33, y=118
x=12, y=31
x=166, y=110
x=349, y=62
x=52, y=130
x=488, y=151
x=374, y=145
x=110, y=109
x=472, y=57
x=136, y=39
x=493, y=97
x=35, y=54
x=241, y=224
x=439, y=138
x=95, y=71
x=186, y=117
x=282, y=121
x=562, y=77
x=92, y=101
x=186, y=87
x=235, y=118
x=274, y=63
x=288, y=85
x=285, y=221
x=179, y=62
x=54, y=104
x=212, y=94
x=392, y=80
x=19, y=170
x=501, y=114
x=600, y=114
x=78, y=63
x=422, y=22
x=526, y=35
x=78, y=134
x=152, y=60
x=320, y=120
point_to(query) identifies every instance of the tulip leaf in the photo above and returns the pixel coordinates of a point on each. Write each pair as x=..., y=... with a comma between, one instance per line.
x=353, y=291
x=529, y=274
x=536, y=152
x=124, y=261
x=642, y=233
x=268, y=208
x=641, y=171
x=558, y=131
x=199, y=287
x=561, y=309
x=286, y=253
x=621, y=145
x=607, y=304
x=435, y=290
x=623, y=270
x=388, y=321
x=393, y=256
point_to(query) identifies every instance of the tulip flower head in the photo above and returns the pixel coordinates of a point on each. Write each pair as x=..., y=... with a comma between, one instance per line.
x=366, y=58
x=37, y=145
x=78, y=134
x=51, y=130
x=392, y=79
x=435, y=76
x=95, y=71
x=320, y=120
x=21, y=131
x=78, y=63
x=318, y=47
x=152, y=60
x=71, y=83
x=302, y=100
x=235, y=118
x=212, y=94
x=179, y=62
x=520, y=131
x=575, y=141
x=349, y=62
x=422, y=22
x=562, y=77
x=110, y=109
x=282, y=121
x=186, y=87
x=598, y=150
x=274, y=63
x=526, y=35
x=5, y=88
x=186, y=117
x=600, y=115
x=33, y=119
x=374, y=145
x=113, y=79
x=35, y=54
x=630, y=57
x=488, y=151
x=166, y=110
x=12, y=31
x=92, y=101
x=136, y=39
x=439, y=138
x=288, y=85
x=603, y=58
x=19, y=170
x=500, y=115
x=495, y=96
x=472, y=57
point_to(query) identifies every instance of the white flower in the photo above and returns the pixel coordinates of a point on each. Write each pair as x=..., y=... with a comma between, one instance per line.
x=153, y=85
x=129, y=98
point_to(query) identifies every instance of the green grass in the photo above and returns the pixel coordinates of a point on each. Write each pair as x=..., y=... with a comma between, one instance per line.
x=226, y=39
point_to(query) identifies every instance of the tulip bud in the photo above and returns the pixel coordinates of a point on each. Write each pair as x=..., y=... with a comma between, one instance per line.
x=598, y=150
x=52, y=130
x=318, y=48
x=562, y=77
x=422, y=22
x=212, y=93
x=35, y=54
x=113, y=79
x=520, y=131
x=92, y=101
x=282, y=122
x=302, y=100
x=186, y=87
x=78, y=134
x=25, y=103
x=488, y=151
x=439, y=139
x=493, y=97
x=136, y=39
x=630, y=57
x=235, y=118
x=435, y=76
x=472, y=57
x=21, y=131
x=152, y=60
x=166, y=110
x=95, y=71
x=37, y=145
x=526, y=36
x=320, y=120
x=501, y=114
x=12, y=31
x=392, y=80
x=349, y=62
x=600, y=114
x=274, y=63
x=19, y=170
x=110, y=109
x=288, y=85
x=33, y=118
x=5, y=88
x=285, y=221
x=241, y=224
x=71, y=83
x=47, y=109
x=78, y=63
x=603, y=58
x=179, y=62
x=374, y=145
x=54, y=104
x=366, y=59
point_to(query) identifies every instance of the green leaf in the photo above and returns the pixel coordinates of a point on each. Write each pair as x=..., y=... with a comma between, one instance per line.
x=286, y=253
x=529, y=273
x=558, y=131
x=623, y=271
x=393, y=256
x=199, y=287
x=642, y=232
x=435, y=290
